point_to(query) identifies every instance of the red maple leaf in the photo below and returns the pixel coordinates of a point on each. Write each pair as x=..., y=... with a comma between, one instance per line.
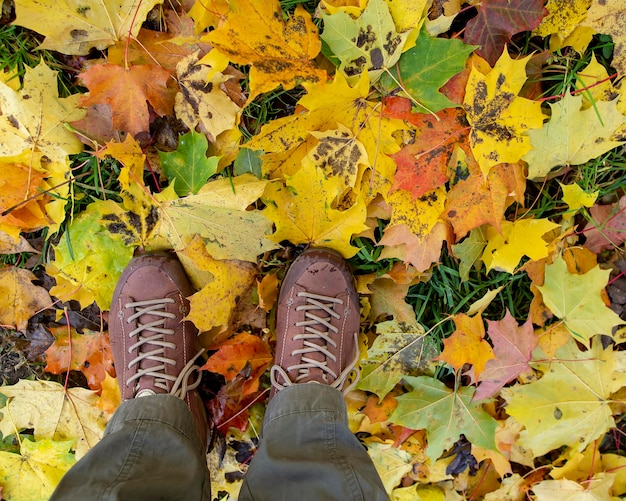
x=498, y=20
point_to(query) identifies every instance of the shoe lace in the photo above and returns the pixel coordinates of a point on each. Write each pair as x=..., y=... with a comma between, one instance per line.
x=318, y=328
x=157, y=333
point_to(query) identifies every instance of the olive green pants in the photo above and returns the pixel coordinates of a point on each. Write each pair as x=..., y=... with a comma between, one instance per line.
x=151, y=450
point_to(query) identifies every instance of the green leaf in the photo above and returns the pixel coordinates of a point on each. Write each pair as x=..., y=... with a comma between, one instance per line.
x=89, y=261
x=425, y=68
x=368, y=43
x=444, y=414
x=248, y=162
x=469, y=251
x=188, y=167
x=577, y=300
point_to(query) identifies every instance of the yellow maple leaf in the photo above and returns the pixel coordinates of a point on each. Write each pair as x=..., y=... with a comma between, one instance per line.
x=303, y=214
x=229, y=281
x=576, y=198
x=34, y=118
x=497, y=115
x=564, y=16
x=131, y=156
x=74, y=26
x=54, y=413
x=218, y=214
x=338, y=153
x=573, y=136
x=421, y=214
x=517, y=239
x=201, y=98
x=280, y=52
x=608, y=17
x=327, y=105
x=569, y=405
x=33, y=474
x=207, y=13
x=20, y=299
x=594, y=84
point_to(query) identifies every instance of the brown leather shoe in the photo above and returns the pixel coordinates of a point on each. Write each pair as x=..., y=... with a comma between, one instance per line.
x=317, y=323
x=153, y=348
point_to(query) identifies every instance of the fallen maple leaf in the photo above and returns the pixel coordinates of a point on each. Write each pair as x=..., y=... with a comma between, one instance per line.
x=88, y=262
x=562, y=20
x=303, y=214
x=577, y=300
x=21, y=209
x=570, y=404
x=572, y=136
x=391, y=463
x=228, y=284
x=388, y=298
x=20, y=299
x=53, y=413
x=242, y=350
x=398, y=350
x=467, y=344
x=34, y=473
x=202, y=100
x=477, y=200
x=445, y=414
x=607, y=227
x=89, y=353
x=230, y=408
x=523, y=237
x=34, y=118
x=423, y=163
x=419, y=215
x=368, y=43
x=280, y=52
x=218, y=214
x=73, y=27
x=512, y=348
x=608, y=18
x=128, y=90
x=497, y=115
x=496, y=23
x=334, y=103
x=188, y=167
x=423, y=69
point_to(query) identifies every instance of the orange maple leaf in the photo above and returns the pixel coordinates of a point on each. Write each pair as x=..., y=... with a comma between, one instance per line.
x=89, y=353
x=467, y=345
x=423, y=163
x=128, y=91
x=243, y=351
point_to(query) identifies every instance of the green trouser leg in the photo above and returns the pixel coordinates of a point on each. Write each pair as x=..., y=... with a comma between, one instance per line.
x=151, y=450
x=307, y=451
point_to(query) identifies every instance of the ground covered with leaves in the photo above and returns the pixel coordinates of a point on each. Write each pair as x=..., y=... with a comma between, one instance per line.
x=466, y=158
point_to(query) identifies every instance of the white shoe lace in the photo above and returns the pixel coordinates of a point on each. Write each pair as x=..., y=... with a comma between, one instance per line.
x=313, y=322
x=180, y=386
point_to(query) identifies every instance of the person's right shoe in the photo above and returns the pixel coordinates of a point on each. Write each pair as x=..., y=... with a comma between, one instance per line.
x=317, y=323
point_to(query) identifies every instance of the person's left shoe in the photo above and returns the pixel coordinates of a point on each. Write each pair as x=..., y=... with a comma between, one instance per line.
x=154, y=349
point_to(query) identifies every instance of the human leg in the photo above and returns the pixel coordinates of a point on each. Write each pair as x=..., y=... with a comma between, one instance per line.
x=307, y=450
x=154, y=447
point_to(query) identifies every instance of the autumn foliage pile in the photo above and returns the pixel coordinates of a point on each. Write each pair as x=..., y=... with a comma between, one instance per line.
x=404, y=134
